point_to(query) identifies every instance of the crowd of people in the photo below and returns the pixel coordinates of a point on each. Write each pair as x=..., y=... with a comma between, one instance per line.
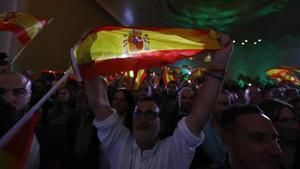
x=95, y=124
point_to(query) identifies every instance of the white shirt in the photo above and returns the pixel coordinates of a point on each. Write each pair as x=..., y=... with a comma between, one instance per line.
x=120, y=147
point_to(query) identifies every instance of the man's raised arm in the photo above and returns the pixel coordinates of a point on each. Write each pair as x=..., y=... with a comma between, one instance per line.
x=207, y=97
x=96, y=92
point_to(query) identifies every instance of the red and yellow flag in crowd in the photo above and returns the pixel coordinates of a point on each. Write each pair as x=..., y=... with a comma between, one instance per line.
x=197, y=72
x=139, y=78
x=17, y=149
x=25, y=26
x=167, y=75
x=284, y=74
x=105, y=50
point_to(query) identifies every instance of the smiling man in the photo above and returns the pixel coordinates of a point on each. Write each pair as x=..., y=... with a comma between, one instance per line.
x=142, y=149
x=251, y=139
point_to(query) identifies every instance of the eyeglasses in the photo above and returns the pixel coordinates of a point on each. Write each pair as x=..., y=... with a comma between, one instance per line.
x=16, y=92
x=148, y=115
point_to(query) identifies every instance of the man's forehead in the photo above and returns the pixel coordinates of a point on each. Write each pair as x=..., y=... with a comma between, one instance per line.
x=146, y=105
x=13, y=80
x=252, y=123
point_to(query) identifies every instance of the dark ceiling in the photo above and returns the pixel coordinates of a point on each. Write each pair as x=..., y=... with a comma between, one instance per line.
x=240, y=18
x=266, y=32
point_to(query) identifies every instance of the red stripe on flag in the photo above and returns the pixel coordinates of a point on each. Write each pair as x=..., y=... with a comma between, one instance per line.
x=18, y=30
x=134, y=62
x=164, y=76
x=19, y=146
x=43, y=22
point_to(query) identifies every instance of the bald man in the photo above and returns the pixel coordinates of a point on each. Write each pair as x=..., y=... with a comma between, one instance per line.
x=15, y=92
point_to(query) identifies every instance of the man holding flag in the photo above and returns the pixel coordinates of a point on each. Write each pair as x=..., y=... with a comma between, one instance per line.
x=15, y=92
x=142, y=148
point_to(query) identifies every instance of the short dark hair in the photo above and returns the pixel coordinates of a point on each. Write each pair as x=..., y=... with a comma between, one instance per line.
x=146, y=98
x=3, y=59
x=229, y=116
x=150, y=99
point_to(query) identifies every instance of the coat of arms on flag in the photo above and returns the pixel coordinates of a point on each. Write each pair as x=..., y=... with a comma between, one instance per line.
x=134, y=41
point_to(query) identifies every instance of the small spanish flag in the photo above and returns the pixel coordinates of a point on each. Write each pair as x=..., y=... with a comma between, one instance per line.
x=17, y=149
x=167, y=75
x=23, y=25
x=105, y=50
x=139, y=78
x=284, y=75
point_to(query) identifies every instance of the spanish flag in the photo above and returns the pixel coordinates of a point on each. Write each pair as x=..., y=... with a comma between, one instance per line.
x=23, y=25
x=284, y=75
x=167, y=75
x=105, y=50
x=139, y=78
x=17, y=149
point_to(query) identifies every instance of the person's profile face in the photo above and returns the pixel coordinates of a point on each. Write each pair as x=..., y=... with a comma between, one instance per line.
x=254, y=142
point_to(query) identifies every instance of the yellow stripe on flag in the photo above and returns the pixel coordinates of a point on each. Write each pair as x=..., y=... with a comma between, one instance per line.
x=110, y=44
x=25, y=26
x=106, y=50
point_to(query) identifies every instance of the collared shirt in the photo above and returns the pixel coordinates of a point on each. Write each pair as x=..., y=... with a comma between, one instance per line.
x=213, y=144
x=119, y=144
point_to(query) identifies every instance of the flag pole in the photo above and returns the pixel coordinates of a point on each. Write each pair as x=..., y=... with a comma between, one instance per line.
x=74, y=65
x=9, y=135
x=73, y=59
x=22, y=49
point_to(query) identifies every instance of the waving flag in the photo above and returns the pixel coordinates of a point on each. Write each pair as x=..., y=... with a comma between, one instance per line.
x=167, y=75
x=23, y=25
x=139, y=78
x=105, y=50
x=284, y=74
x=19, y=146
